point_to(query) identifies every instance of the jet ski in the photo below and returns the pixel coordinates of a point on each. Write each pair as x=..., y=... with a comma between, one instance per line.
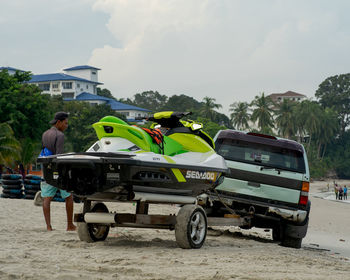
x=173, y=157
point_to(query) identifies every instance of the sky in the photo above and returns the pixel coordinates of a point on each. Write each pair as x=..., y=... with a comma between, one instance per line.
x=230, y=50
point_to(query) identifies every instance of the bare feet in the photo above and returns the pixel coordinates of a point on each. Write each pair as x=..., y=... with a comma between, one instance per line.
x=49, y=228
x=71, y=227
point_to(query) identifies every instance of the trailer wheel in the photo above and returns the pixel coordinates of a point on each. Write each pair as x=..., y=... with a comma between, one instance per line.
x=94, y=232
x=191, y=227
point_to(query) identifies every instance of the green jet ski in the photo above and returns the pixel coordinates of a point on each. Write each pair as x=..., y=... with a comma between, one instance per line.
x=128, y=159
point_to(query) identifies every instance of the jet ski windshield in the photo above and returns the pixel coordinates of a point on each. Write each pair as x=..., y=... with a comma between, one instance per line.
x=169, y=119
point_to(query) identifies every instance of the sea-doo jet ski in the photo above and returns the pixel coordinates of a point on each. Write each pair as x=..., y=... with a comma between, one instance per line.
x=128, y=158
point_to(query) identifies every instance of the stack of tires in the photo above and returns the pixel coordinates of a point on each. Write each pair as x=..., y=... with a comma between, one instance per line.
x=12, y=186
x=31, y=186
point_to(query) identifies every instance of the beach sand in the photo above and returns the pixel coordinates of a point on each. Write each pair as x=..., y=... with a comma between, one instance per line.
x=28, y=251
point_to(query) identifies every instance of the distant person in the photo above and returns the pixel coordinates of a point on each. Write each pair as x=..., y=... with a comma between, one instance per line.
x=341, y=192
x=53, y=140
x=345, y=192
x=21, y=170
x=336, y=190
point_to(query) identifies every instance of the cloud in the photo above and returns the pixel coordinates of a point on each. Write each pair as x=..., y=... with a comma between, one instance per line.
x=230, y=50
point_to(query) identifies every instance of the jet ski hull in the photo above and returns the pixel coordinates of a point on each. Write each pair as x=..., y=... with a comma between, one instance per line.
x=87, y=173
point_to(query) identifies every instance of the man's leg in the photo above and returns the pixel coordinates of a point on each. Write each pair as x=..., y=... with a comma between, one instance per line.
x=69, y=210
x=46, y=210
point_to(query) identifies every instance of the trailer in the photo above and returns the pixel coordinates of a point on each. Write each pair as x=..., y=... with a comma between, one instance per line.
x=190, y=223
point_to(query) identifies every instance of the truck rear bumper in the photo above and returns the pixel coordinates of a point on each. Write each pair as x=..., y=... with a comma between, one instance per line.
x=297, y=216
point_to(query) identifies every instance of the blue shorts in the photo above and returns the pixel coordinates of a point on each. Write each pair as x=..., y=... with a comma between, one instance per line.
x=50, y=191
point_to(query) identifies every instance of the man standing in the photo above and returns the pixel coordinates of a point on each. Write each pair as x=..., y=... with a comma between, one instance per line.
x=53, y=140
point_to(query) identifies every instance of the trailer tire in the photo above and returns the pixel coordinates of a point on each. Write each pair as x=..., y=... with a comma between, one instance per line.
x=191, y=227
x=93, y=232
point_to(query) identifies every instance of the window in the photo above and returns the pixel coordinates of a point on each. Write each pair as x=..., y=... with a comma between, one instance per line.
x=78, y=85
x=68, y=94
x=93, y=73
x=127, y=114
x=87, y=86
x=67, y=85
x=55, y=85
x=262, y=155
x=44, y=87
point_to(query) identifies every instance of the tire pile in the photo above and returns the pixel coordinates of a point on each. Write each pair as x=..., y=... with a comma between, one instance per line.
x=31, y=186
x=12, y=186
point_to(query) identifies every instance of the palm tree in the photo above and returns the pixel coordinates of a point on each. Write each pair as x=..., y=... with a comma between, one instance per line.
x=286, y=118
x=9, y=146
x=308, y=121
x=209, y=106
x=263, y=113
x=329, y=126
x=240, y=115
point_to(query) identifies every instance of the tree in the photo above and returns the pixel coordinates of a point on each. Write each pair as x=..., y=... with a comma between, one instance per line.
x=80, y=134
x=9, y=146
x=308, y=120
x=150, y=100
x=22, y=105
x=240, y=115
x=263, y=113
x=182, y=103
x=105, y=92
x=335, y=92
x=286, y=119
x=208, y=107
x=329, y=127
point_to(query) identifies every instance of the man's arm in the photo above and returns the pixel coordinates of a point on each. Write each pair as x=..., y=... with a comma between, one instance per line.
x=60, y=143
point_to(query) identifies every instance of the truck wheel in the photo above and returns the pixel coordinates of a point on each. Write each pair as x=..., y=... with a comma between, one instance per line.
x=276, y=233
x=291, y=242
x=94, y=232
x=191, y=227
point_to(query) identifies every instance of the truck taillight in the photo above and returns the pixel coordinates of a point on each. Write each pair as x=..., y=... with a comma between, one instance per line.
x=304, y=194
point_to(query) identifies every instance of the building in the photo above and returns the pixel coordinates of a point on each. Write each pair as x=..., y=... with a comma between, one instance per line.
x=10, y=70
x=290, y=95
x=69, y=84
x=80, y=83
x=129, y=111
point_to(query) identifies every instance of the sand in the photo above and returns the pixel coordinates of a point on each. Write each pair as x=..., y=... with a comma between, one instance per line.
x=28, y=251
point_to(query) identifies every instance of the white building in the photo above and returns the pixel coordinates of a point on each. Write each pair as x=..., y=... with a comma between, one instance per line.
x=80, y=83
x=290, y=95
x=70, y=84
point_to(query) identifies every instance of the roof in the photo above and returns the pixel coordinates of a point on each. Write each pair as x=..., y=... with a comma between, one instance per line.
x=10, y=69
x=89, y=96
x=115, y=105
x=118, y=106
x=251, y=138
x=81, y=67
x=288, y=93
x=58, y=77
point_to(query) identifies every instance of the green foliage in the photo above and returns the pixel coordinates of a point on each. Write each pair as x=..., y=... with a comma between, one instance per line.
x=105, y=92
x=9, y=146
x=22, y=105
x=262, y=113
x=286, y=119
x=334, y=92
x=208, y=107
x=210, y=127
x=150, y=100
x=80, y=135
x=240, y=115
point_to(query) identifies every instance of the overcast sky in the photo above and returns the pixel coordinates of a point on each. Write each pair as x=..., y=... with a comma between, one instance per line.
x=230, y=50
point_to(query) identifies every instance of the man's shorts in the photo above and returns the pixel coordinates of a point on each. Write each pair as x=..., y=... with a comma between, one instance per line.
x=50, y=191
